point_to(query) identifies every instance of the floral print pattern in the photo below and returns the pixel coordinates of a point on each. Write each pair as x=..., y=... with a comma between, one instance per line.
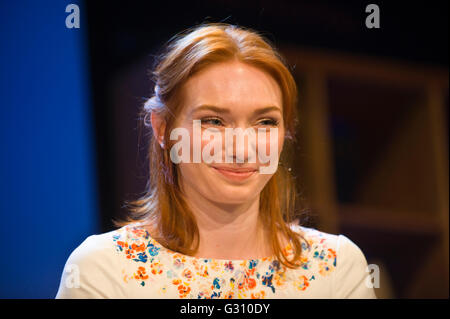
x=172, y=274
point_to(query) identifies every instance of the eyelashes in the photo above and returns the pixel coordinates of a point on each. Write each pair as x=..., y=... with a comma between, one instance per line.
x=215, y=121
x=211, y=121
x=270, y=122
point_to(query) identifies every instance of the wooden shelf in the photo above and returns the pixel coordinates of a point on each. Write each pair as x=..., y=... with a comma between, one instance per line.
x=374, y=145
x=383, y=219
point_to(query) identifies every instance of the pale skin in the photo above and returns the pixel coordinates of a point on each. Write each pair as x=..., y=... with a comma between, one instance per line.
x=226, y=211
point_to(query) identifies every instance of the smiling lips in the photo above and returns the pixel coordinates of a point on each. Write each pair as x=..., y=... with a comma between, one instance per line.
x=235, y=173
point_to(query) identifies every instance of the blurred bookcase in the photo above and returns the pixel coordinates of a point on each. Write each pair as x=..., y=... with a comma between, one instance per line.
x=373, y=161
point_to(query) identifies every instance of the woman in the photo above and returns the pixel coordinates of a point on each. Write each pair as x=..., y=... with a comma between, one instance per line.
x=215, y=224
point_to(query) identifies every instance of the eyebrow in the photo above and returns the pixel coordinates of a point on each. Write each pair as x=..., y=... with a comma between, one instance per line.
x=227, y=111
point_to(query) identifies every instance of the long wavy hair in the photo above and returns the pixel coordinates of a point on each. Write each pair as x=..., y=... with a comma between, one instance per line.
x=163, y=205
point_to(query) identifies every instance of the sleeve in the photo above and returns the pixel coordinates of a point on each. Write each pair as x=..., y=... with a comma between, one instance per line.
x=351, y=279
x=90, y=272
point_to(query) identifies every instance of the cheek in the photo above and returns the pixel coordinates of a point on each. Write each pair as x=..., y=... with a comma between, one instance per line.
x=195, y=174
x=273, y=143
x=213, y=141
x=280, y=143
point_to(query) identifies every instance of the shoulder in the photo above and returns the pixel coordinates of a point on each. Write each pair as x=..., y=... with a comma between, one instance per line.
x=339, y=243
x=91, y=268
x=339, y=256
x=95, y=245
x=312, y=238
x=95, y=249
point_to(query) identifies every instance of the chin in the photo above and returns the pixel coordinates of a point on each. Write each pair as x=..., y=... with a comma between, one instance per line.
x=234, y=194
x=231, y=199
x=222, y=189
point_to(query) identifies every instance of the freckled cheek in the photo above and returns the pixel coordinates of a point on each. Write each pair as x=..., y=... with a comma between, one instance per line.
x=274, y=143
x=206, y=140
x=213, y=142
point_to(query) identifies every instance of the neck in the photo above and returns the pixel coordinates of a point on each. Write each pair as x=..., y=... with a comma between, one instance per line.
x=229, y=231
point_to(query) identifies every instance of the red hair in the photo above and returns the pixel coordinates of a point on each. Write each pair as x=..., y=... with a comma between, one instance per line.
x=163, y=205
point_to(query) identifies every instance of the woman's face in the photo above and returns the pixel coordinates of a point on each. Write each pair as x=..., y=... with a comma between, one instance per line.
x=230, y=95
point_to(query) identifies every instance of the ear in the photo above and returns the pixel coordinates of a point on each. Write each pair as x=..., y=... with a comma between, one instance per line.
x=158, y=127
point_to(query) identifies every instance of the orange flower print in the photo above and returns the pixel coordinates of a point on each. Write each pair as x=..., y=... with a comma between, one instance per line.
x=187, y=274
x=332, y=256
x=324, y=268
x=132, y=250
x=203, y=271
x=251, y=283
x=258, y=295
x=183, y=290
x=138, y=248
x=247, y=282
x=138, y=232
x=204, y=291
x=176, y=281
x=228, y=295
x=125, y=277
x=279, y=278
x=304, y=262
x=331, y=253
x=210, y=278
x=178, y=261
x=302, y=283
x=141, y=275
x=195, y=263
x=214, y=265
x=288, y=250
x=122, y=244
x=156, y=268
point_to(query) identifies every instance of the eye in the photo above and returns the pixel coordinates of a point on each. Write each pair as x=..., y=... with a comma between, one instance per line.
x=212, y=121
x=269, y=122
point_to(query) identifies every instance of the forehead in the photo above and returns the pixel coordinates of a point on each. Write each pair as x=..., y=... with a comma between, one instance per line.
x=233, y=85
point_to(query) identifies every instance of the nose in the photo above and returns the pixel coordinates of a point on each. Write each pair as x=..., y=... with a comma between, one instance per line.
x=240, y=145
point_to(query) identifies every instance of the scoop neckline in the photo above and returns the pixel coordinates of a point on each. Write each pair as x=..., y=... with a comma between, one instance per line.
x=202, y=259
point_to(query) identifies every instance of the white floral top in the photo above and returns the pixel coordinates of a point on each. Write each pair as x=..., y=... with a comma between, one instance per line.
x=128, y=263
